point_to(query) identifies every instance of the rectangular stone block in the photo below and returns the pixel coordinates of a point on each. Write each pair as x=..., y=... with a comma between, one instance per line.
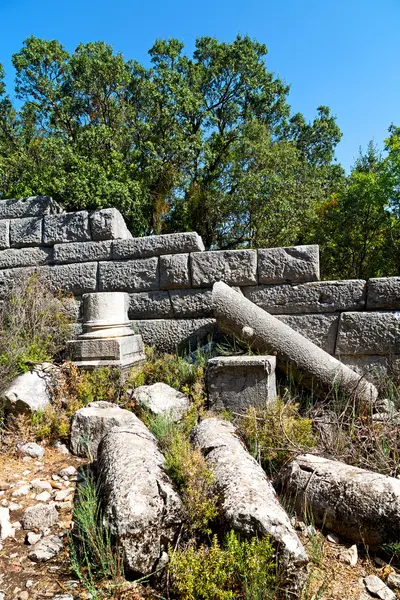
x=234, y=267
x=129, y=275
x=108, y=224
x=4, y=235
x=106, y=348
x=174, y=271
x=169, y=243
x=68, y=227
x=235, y=383
x=316, y=297
x=191, y=303
x=369, y=333
x=25, y=257
x=321, y=329
x=383, y=292
x=170, y=335
x=33, y=206
x=374, y=367
x=150, y=305
x=82, y=252
x=295, y=264
x=77, y=279
x=26, y=232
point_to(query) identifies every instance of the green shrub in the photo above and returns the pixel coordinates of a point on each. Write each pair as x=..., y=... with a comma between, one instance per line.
x=239, y=569
x=187, y=468
x=276, y=432
x=34, y=326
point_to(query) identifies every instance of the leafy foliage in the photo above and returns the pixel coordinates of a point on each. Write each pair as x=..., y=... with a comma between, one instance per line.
x=239, y=569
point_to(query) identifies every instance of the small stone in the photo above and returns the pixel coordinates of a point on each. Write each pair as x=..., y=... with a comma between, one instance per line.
x=63, y=597
x=2, y=596
x=33, y=538
x=41, y=486
x=43, y=497
x=29, y=583
x=31, y=449
x=4, y=502
x=393, y=581
x=376, y=587
x=311, y=531
x=57, y=485
x=62, y=448
x=16, y=525
x=6, y=529
x=63, y=494
x=350, y=555
x=68, y=471
x=46, y=549
x=332, y=538
x=40, y=516
x=21, y=491
x=4, y=485
x=14, y=507
x=55, y=477
x=23, y=595
x=27, y=472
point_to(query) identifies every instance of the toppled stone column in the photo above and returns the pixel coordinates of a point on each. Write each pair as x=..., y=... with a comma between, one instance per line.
x=360, y=505
x=249, y=502
x=237, y=382
x=107, y=338
x=266, y=333
x=141, y=507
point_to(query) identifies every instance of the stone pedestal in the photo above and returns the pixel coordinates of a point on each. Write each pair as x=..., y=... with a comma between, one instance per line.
x=107, y=339
x=237, y=382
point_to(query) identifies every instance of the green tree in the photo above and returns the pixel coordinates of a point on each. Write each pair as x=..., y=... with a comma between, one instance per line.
x=202, y=143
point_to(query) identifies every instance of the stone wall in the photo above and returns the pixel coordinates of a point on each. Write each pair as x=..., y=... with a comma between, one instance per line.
x=169, y=279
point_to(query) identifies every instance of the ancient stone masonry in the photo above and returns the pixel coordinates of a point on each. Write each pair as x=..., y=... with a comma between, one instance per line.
x=169, y=279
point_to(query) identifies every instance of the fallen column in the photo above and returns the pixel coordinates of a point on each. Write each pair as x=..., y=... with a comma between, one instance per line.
x=266, y=333
x=249, y=502
x=361, y=505
x=141, y=508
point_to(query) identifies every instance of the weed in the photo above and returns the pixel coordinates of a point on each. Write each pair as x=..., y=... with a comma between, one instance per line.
x=239, y=569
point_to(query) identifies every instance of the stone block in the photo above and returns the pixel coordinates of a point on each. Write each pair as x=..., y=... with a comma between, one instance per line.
x=10, y=277
x=25, y=257
x=373, y=367
x=77, y=279
x=234, y=267
x=236, y=382
x=316, y=297
x=170, y=243
x=191, y=303
x=168, y=335
x=4, y=235
x=129, y=275
x=150, y=305
x=320, y=328
x=174, y=271
x=82, y=252
x=383, y=292
x=26, y=232
x=108, y=224
x=68, y=227
x=295, y=264
x=117, y=352
x=33, y=206
x=369, y=333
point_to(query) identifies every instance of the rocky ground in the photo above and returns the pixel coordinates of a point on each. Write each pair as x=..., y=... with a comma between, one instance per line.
x=39, y=492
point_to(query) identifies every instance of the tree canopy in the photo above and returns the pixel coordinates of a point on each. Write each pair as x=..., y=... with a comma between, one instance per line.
x=205, y=142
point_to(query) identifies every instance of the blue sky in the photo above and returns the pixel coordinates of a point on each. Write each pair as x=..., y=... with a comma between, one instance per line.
x=342, y=53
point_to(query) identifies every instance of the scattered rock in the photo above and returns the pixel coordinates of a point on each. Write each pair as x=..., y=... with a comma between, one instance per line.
x=39, y=517
x=21, y=491
x=41, y=486
x=29, y=583
x=350, y=555
x=91, y=423
x=27, y=393
x=31, y=449
x=2, y=596
x=161, y=398
x=43, y=497
x=376, y=587
x=393, y=581
x=63, y=494
x=46, y=548
x=23, y=595
x=63, y=597
x=33, y=538
x=6, y=529
x=62, y=448
x=68, y=471
x=4, y=486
